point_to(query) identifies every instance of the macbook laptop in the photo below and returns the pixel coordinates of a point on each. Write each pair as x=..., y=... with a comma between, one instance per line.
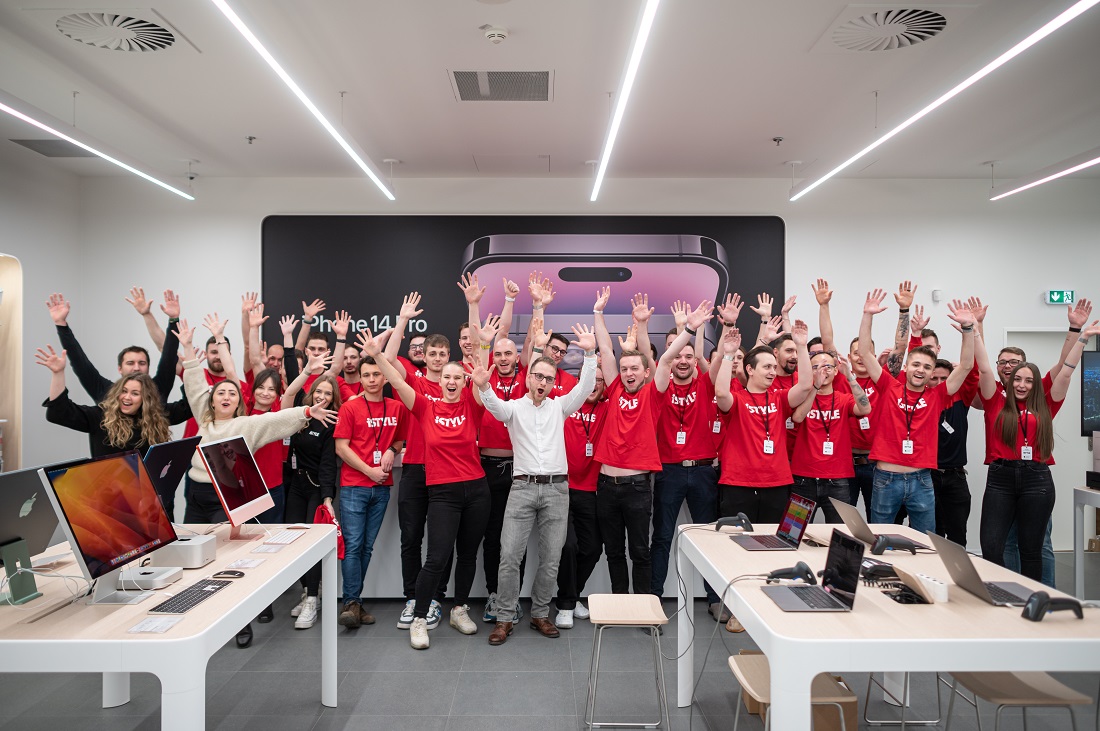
x=837, y=592
x=963, y=573
x=167, y=463
x=789, y=534
x=858, y=527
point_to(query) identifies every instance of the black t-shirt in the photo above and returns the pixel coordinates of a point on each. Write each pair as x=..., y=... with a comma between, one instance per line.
x=952, y=441
x=314, y=453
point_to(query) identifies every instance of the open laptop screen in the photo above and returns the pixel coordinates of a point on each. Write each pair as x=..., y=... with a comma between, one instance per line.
x=841, y=576
x=799, y=510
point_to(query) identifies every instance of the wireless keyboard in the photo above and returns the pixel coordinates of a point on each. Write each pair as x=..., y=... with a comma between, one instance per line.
x=190, y=597
x=283, y=537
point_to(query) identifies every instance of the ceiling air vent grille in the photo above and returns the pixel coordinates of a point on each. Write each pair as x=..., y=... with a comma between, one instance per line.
x=502, y=86
x=115, y=32
x=886, y=30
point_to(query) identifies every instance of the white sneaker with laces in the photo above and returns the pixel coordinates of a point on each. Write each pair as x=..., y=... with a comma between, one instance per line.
x=418, y=634
x=580, y=611
x=435, y=614
x=308, y=615
x=406, y=619
x=298, y=607
x=460, y=620
x=564, y=620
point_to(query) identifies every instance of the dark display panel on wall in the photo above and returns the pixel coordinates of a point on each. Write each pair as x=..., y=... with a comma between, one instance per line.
x=366, y=264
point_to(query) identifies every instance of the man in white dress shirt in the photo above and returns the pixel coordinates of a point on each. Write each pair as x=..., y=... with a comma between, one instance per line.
x=540, y=486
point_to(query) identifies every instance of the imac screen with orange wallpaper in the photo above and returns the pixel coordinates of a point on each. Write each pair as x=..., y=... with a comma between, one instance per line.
x=110, y=510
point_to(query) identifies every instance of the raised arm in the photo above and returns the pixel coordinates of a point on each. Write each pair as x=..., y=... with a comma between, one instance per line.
x=316, y=364
x=728, y=312
x=696, y=319
x=871, y=307
x=804, y=408
x=248, y=303
x=1078, y=316
x=987, y=378
x=785, y=312
x=310, y=311
x=410, y=308
x=511, y=289
x=372, y=346
x=542, y=294
x=764, y=309
x=56, y=363
x=824, y=296
x=918, y=321
x=731, y=341
x=340, y=325
x=961, y=315
x=144, y=308
x=195, y=386
x=1060, y=387
x=608, y=365
x=165, y=374
x=641, y=312
x=485, y=335
x=804, y=383
x=254, y=354
x=863, y=403
x=90, y=379
x=473, y=292
x=904, y=298
x=217, y=329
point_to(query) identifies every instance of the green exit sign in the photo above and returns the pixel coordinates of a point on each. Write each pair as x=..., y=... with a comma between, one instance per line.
x=1060, y=297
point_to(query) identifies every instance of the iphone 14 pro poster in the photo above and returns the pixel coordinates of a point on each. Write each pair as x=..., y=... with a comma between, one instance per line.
x=366, y=264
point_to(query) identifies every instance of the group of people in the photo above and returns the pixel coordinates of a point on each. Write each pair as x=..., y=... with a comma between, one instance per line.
x=502, y=443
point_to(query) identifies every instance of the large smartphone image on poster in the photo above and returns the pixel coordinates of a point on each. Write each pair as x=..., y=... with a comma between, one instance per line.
x=666, y=267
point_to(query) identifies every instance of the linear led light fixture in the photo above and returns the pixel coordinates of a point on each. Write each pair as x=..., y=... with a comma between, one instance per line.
x=47, y=123
x=640, y=38
x=358, y=156
x=1075, y=10
x=1047, y=174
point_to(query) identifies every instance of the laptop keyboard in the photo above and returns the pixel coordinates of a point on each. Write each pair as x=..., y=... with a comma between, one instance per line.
x=771, y=542
x=815, y=597
x=1002, y=595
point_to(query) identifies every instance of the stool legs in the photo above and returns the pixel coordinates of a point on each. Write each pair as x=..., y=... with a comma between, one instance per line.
x=659, y=676
x=904, y=702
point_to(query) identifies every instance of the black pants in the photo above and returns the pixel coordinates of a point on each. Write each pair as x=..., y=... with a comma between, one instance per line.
x=203, y=505
x=760, y=504
x=582, y=548
x=820, y=489
x=457, y=514
x=1020, y=491
x=952, y=503
x=624, y=512
x=862, y=484
x=302, y=499
x=412, y=512
x=498, y=473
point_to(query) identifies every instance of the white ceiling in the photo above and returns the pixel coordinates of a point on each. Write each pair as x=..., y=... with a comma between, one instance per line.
x=719, y=79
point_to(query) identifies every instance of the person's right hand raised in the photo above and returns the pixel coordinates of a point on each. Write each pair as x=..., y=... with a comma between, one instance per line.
x=59, y=309
x=54, y=361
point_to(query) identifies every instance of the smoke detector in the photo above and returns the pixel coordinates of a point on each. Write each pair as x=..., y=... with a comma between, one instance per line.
x=494, y=34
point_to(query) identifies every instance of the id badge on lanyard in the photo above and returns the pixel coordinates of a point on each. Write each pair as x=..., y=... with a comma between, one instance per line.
x=769, y=446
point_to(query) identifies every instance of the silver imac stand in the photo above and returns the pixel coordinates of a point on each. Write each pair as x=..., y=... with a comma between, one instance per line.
x=107, y=591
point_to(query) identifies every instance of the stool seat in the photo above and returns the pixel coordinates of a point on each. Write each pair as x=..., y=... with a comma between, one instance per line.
x=754, y=675
x=626, y=610
x=1021, y=689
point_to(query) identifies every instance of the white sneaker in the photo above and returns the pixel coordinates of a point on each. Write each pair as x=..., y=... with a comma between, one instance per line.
x=490, y=615
x=564, y=620
x=418, y=634
x=435, y=614
x=460, y=620
x=308, y=615
x=298, y=607
x=406, y=619
x=580, y=611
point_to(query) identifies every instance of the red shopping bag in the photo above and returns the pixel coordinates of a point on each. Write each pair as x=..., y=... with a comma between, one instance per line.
x=324, y=515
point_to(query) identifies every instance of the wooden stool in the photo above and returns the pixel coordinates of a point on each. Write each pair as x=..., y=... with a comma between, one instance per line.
x=1015, y=690
x=754, y=676
x=626, y=610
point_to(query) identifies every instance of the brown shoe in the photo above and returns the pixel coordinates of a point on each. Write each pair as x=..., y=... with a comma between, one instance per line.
x=500, y=633
x=733, y=625
x=365, y=617
x=350, y=617
x=545, y=627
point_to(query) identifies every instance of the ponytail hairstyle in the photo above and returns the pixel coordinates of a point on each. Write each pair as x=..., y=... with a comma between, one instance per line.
x=1008, y=421
x=150, y=419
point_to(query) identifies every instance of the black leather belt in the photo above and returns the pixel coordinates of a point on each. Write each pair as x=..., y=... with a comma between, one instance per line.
x=627, y=479
x=541, y=479
x=860, y=459
x=694, y=462
x=494, y=458
x=954, y=470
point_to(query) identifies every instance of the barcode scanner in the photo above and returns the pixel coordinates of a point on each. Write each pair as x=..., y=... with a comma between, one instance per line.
x=1040, y=604
x=800, y=571
x=737, y=521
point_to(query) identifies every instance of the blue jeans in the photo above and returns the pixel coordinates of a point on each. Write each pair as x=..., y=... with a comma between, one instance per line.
x=1012, y=553
x=672, y=485
x=892, y=490
x=361, y=512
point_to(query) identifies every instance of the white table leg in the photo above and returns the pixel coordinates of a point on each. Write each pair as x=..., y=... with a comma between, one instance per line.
x=790, y=683
x=328, y=629
x=685, y=595
x=183, y=700
x=1078, y=548
x=116, y=689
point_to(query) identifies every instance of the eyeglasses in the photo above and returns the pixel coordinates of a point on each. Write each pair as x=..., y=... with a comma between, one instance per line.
x=556, y=349
x=540, y=378
x=416, y=347
x=1012, y=363
x=824, y=367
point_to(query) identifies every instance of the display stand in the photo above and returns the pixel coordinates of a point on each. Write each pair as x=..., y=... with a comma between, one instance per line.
x=21, y=587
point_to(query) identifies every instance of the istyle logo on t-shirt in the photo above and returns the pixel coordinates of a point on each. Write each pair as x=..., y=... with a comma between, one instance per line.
x=452, y=422
x=381, y=421
x=628, y=404
x=920, y=404
x=684, y=400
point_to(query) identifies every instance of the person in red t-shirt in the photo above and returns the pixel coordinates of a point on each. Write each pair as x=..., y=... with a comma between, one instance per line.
x=756, y=472
x=822, y=459
x=906, y=443
x=369, y=434
x=349, y=380
x=458, y=495
x=1020, y=432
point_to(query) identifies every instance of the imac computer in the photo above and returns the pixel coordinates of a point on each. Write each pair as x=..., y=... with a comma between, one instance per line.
x=111, y=515
x=28, y=525
x=237, y=481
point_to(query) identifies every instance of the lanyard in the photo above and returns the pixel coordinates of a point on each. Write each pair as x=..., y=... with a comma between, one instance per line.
x=766, y=417
x=509, y=385
x=683, y=402
x=585, y=423
x=908, y=412
x=381, y=424
x=825, y=422
x=1023, y=418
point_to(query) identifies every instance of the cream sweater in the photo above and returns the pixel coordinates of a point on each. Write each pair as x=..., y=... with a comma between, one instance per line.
x=257, y=430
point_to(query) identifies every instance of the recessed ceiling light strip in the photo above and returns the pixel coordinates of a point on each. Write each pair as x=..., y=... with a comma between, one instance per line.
x=357, y=156
x=1047, y=174
x=36, y=117
x=640, y=38
x=1075, y=10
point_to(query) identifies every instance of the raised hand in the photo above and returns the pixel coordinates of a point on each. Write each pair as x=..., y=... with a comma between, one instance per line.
x=184, y=333
x=489, y=330
x=788, y=305
x=287, y=324
x=917, y=321
x=256, y=315
x=843, y=367
x=586, y=337
x=319, y=363
x=979, y=310
x=958, y=311
x=59, y=309
x=631, y=342
x=800, y=333
x=819, y=375
x=248, y=302
x=874, y=305
x=1091, y=330
x=410, y=306
x=341, y=324
x=372, y=345
x=138, y=301
x=822, y=292
x=541, y=289
x=731, y=342
x=1078, y=315
x=730, y=310
x=602, y=296
x=763, y=306
x=904, y=296
x=480, y=376
x=471, y=289
x=214, y=325
x=772, y=329
x=54, y=361
x=325, y=416
x=540, y=337
x=511, y=289
x=679, y=310
x=314, y=308
x=171, y=306
x=639, y=307
x=700, y=315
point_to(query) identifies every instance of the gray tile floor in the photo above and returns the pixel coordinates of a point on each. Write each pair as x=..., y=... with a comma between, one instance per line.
x=460, y=684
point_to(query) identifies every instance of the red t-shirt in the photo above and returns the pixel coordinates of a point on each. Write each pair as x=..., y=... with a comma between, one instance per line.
x=450, y=438
x=414, y=445
x=584, y=427
x=826, y=421
x=861, y=429
x=348, y=390
x=752, y=418
x=629, y=438
x=493, y=434
x=271, y=456
x=369, y=427
x=922, y=428
x=1026, y=427
x=718, y=433
x=191, y=428
x=784, y=382
x=689, y=409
